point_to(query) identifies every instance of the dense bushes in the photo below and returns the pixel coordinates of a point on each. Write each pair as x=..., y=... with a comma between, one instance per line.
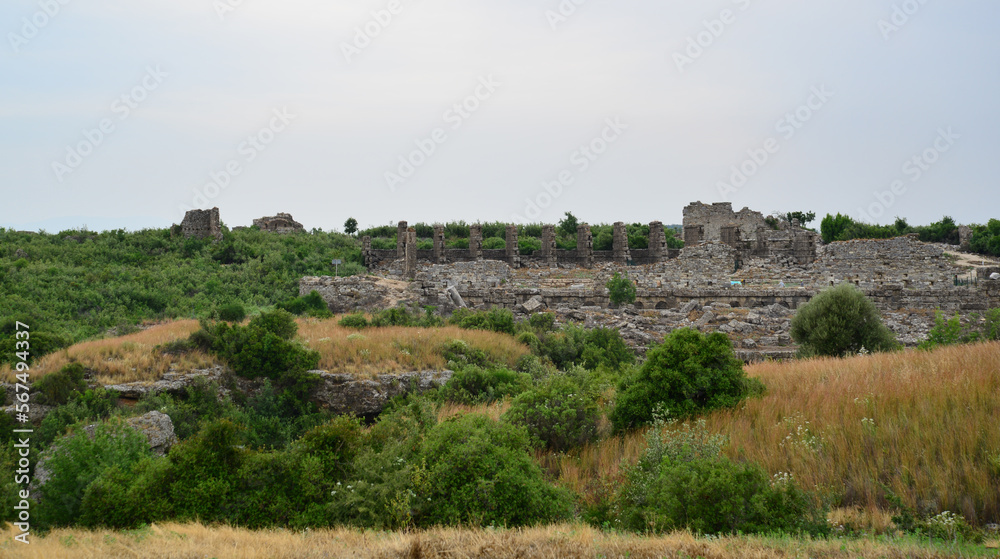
x=264, y=347
x=688, y=373
x=683, y=482
x=620, y=290
x=78, y=459
x=478, y=472
x=55, y=389
x=77, y=284
x=951, y=331
x=559, y=414
x=312, y=305
x=840, y=321
x=473, y=384
x=496, y=320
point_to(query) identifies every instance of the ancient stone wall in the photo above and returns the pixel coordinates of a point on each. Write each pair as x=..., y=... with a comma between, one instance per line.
x=748, y=232
x=202, y=224
x=281, y=223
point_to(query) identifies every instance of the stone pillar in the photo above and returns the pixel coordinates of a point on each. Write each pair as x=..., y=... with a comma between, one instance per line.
x=619, y=250
x=584, y=246
x=513, y=251
x=410, y=250
x=476, y=242
x=657, y=242
x=366, y=250
x=439, y=257
x=548, y=250
x=400, y=239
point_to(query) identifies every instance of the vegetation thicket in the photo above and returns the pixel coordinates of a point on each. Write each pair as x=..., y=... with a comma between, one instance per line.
x=839, y=321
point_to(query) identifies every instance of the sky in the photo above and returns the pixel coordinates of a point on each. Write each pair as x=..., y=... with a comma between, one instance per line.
x=126, y=113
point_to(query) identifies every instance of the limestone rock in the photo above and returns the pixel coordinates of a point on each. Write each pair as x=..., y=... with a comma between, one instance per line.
x=344, y=393
x=533, y=304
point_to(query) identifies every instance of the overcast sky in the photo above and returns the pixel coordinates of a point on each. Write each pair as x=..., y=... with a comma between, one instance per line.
x=122, y=113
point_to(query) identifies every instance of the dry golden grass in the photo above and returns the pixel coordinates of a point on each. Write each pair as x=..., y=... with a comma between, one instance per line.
x=565, y=541
x=344, y=350
x=127, y=358
x=925, y=424
x=398, y=349
x=493, y=410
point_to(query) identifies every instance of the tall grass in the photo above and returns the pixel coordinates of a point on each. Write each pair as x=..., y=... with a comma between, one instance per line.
x=364, y=353
x=398, y=349
x=129, y=358
x=926, y=425
x=569, y=541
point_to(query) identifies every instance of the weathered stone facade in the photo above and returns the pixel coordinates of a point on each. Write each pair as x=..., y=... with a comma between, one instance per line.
x=281, y=223
x=748, y=232
x=202, y=224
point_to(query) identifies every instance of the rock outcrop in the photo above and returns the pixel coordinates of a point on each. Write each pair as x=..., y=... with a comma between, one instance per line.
x=347, y=394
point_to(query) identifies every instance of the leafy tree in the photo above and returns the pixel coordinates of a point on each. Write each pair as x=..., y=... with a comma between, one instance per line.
x=832, y=227
x=803, y=217
x=838, y=321
x=560, y=413
x=568, y=225
x=620, y=290
x=351, y=226
x=688, y=373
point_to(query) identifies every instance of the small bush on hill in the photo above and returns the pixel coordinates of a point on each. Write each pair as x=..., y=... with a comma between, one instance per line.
x=76, y=460
x=559, y=414
x=476, y=385
x=621, y=290
x=261, y=348
x=840, y=321
x=311, y=304
x=354, y=321
x=688, y=373
x=55, y=389
x=479, y=473
x=683, y=482
x=233, y=312
x=91, y=406
x=496, y=320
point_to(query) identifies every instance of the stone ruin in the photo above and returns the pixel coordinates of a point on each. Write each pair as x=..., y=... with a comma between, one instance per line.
x=281, y=223
x=736, y=275
x=202, y=224
x=748, y=232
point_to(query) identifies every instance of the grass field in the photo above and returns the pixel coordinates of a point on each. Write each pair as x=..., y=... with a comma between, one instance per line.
x=366, y=352
x=566, y=541
x=924, y=424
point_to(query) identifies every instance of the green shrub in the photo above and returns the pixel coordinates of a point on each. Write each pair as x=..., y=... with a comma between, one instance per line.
x=528, y=245
x=529, y=339
x=91, y=405
x=128, y=497
x=261, y=348
x=688, y=373
x=458, y=353
x=496, y=320
x=560, y=413
x=311, y=304
x=202, y=472
x=397, y=316
x=620, y=290
x=476, y=385
x=542, y=322
x=55, y=389
x=479, y=473
x=840, y=321
x=494, y=243
x=575, y=345
x=76, y=460
x=199, y=405
x=682, y=481
x=357, y=320
x=233, y=312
